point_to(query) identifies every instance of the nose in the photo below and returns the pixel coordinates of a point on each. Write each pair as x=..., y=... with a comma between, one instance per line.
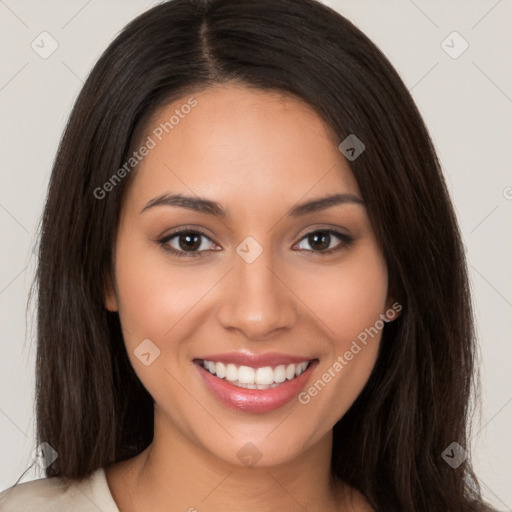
x=257, y=300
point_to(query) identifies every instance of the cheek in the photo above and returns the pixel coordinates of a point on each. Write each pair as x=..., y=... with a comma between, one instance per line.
x=348, y=301
x=155, y=295
x=347, y=297
x=156, y=300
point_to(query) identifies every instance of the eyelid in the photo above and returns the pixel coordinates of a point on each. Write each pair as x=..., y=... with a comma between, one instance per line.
x=163, y=241
x=345, y=239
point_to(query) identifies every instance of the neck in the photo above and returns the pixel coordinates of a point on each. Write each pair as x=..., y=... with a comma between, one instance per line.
x=173, y=473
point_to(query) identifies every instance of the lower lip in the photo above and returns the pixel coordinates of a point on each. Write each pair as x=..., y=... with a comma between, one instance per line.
x=255, y=400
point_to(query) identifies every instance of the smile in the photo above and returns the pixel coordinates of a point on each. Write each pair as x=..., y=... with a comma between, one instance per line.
x=271, y=381
x=265, y=377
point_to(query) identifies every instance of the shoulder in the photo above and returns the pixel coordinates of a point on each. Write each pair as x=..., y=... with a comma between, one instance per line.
x=58, y=494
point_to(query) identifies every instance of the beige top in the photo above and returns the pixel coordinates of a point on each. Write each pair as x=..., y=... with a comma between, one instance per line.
x=91, y=494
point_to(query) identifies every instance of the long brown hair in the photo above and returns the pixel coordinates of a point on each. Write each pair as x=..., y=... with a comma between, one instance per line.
x=91, y=407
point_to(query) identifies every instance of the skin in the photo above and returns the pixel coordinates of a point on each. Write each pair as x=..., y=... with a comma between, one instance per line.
x=258, y=154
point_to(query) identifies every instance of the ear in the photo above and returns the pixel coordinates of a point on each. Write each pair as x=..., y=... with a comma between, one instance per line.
x=393, y=309
x=110, y=295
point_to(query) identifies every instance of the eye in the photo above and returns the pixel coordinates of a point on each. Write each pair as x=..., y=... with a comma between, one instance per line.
x=185, y=243
x=192, y=242
x=320, y=241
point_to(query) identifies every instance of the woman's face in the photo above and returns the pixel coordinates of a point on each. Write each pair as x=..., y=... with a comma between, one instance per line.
x=254, y=287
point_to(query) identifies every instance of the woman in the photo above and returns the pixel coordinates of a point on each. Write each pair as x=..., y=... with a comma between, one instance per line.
x=252, y=287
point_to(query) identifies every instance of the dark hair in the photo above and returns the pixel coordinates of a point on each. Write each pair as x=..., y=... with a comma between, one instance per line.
x=92, y=408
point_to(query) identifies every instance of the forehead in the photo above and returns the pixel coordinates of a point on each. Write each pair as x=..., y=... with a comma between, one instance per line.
x=240, y=144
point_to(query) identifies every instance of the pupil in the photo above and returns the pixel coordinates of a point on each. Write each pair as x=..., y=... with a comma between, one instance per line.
x=188, y=244
x=324, y=237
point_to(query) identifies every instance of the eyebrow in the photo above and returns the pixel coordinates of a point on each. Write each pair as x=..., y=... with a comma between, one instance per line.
x=210, y=207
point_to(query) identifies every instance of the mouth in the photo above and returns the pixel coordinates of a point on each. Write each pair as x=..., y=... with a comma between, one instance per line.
x=255, y=388
x=266, y=377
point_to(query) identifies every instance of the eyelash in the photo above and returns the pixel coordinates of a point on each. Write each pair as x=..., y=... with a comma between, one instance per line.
x=346, y=241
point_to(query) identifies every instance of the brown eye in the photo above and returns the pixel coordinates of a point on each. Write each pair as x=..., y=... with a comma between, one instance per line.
x=189, y=241
x=185, y=243
x=320, y=241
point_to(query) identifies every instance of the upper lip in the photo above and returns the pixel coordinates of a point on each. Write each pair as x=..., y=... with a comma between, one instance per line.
x=255, y=360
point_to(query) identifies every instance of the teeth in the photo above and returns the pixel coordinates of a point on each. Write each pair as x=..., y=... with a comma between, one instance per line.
x=264, y=375
x=280, y=374
x=220, y=370
x=255, y=378
x=231, y=372
x=246, y=375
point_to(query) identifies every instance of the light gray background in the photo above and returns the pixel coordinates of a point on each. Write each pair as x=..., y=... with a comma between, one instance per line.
x=466, y=103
